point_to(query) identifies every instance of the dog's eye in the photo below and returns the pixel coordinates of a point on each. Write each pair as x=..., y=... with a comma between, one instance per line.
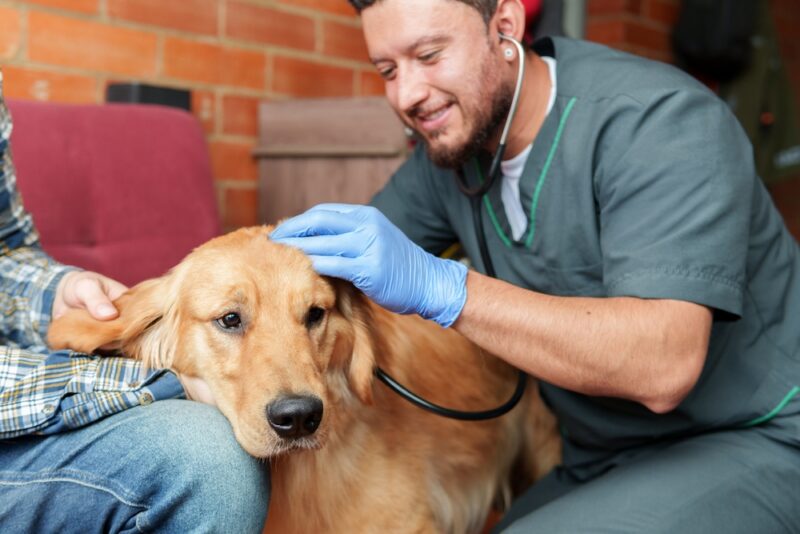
x=314, y=316
x=230, y=321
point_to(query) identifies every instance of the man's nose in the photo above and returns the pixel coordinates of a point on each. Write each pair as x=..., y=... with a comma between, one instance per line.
x=412, y=89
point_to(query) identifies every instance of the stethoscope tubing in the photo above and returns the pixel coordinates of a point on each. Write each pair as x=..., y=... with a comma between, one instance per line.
x=494, y=168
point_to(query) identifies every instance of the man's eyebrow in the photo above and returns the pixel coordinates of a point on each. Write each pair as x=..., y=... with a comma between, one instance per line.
x=422, y=41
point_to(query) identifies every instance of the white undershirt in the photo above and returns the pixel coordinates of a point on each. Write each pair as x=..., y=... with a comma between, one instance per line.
x=512, y=170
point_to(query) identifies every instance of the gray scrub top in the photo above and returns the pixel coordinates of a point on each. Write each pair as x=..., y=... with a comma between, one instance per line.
x=640, y=183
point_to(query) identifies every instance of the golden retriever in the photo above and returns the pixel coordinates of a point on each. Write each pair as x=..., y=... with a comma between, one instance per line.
x=290, y=358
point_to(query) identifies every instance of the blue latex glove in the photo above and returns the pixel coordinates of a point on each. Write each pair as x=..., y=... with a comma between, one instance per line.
x=359, y=244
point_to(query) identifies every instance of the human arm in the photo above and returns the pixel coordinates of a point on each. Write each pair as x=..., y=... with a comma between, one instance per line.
x=647, y=351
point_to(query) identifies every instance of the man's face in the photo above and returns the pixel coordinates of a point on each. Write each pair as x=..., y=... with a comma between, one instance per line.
x=444, y=75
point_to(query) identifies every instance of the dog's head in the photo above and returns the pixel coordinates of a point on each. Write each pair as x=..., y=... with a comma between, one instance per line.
x=277, y=344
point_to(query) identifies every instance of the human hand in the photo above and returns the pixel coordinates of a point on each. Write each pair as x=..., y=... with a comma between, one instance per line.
x=87, y=290
x=359, y=244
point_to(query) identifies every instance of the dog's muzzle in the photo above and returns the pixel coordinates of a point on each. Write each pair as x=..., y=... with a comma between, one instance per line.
x=295, y=416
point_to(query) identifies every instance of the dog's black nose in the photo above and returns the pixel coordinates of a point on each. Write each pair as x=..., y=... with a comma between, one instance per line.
x=296, y=416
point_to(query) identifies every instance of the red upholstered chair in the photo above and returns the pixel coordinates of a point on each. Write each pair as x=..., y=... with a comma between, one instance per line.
x=125, y=190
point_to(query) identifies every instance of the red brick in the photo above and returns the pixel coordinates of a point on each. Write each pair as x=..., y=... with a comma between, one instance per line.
x=633, y=33
x=32, y=84
x=784, y=8
x=610, y=32
x=240, y=208
x=240, y=115
x=647, y=36
x=337, y=7
x=270, y=26
x=372, y=84
x=233, y=161
x=205, y=110
x=301, y=78
x=344, y=40
x=663, y=11
x=81, y=6
x=82, y=44
x=198, y=16
x=190, y=60
x=244, y=68
x=10, y=32
x=598, y=8
x=213, y=64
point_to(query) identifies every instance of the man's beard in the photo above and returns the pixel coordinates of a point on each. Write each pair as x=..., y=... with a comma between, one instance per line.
x=487, y=124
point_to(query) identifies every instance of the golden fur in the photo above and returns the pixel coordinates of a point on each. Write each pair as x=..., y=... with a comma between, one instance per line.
x=376, y=463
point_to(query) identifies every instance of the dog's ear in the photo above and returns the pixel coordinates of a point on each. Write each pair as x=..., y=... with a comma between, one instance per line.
x=140, y=331
x=353, y=305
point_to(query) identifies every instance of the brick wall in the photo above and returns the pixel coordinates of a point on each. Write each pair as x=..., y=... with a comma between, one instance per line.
x=230, y=53
x=639, y=26
x=233, y=53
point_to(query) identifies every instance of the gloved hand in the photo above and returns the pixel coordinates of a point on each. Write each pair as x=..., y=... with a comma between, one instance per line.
x=359, y=244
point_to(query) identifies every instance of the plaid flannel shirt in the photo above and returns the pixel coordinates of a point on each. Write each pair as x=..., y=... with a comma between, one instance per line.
x=46, y=392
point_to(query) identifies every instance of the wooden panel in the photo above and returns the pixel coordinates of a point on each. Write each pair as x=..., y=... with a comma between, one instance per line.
x=325, y=150
x=294, y=185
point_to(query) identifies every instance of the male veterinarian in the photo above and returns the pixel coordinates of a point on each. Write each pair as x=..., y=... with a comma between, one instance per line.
x=83, y=446
x=642, y=272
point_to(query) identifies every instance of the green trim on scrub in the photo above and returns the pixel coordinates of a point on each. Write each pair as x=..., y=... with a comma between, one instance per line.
x=775, y=411
x=546, y=168
x=493, y=216
x=495, y=222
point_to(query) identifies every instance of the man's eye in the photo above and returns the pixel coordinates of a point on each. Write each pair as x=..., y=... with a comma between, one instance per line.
x=386, y=73
x=230, y=321
x=429, y=56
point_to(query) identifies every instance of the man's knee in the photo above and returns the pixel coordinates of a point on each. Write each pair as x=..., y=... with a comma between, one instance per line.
x=733, y=481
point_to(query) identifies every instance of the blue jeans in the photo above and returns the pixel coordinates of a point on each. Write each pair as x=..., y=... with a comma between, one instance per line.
x=172, y=466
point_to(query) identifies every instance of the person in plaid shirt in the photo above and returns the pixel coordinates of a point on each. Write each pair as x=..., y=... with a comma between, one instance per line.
x=99, y=444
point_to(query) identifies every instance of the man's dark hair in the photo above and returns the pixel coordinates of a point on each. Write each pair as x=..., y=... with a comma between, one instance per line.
x=485, y=7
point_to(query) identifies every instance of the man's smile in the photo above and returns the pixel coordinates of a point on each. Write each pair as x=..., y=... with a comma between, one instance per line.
x=432, y=120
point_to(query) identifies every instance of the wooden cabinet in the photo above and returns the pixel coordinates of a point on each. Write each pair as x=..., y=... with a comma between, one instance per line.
x=325, y=150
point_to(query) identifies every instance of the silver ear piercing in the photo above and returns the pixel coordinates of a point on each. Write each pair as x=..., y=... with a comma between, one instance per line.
x=508, y=53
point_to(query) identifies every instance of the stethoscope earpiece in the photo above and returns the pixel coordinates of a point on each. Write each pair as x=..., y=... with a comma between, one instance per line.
x=494, y=168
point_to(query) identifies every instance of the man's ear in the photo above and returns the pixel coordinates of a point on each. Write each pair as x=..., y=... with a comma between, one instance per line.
x=354, y=307
x=509, y=19
x=141, y=330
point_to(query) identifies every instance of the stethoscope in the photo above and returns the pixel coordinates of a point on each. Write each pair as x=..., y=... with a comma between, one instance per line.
x=476, y=195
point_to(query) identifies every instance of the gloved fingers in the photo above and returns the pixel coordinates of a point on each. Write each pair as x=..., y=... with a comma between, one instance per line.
x=347, y=245
x=356, y=212
x=337, y=207
x=314, y=222
x=337, y=266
